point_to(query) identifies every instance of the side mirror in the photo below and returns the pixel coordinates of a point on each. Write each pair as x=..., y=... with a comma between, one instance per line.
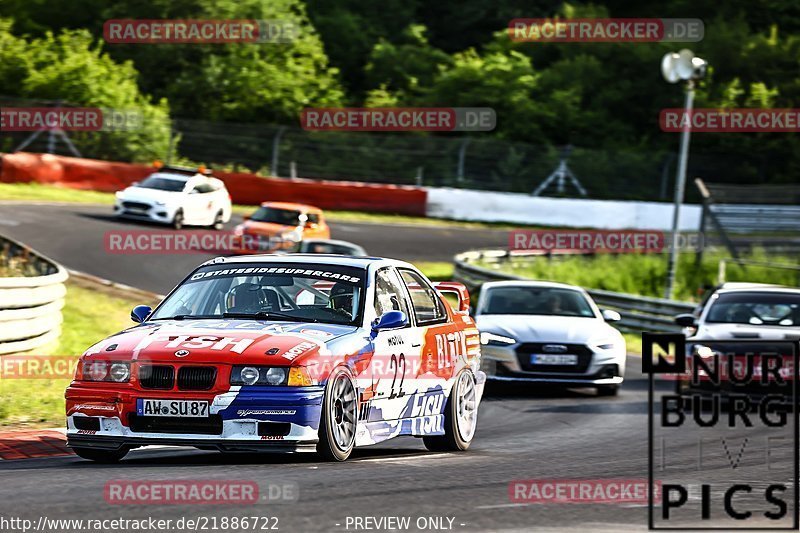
x=140, y=313
x=134, y=184
x=611, y=316
x=390, y=320
x=194, y=191
x=686, y=320
x=245, y=217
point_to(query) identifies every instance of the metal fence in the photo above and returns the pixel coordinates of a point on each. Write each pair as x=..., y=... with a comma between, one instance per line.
x=639, y=313
x=477, y=161
x=30, y=304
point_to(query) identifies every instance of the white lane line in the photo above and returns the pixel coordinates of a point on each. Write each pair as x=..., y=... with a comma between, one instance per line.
x=8, y=222
x=406, y=460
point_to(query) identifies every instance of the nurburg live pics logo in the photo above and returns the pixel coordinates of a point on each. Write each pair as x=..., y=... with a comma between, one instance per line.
x=722, y=433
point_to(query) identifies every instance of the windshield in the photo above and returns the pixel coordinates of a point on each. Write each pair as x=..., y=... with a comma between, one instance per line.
x=536, y=301
x=285, y=217
x=162, y=184
x=299, y=292
x=756, y=308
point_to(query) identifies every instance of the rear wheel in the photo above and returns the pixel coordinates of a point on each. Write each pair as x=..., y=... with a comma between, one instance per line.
x=460, y=417
x=337, y=427
x=101, y=456
x=177, y=221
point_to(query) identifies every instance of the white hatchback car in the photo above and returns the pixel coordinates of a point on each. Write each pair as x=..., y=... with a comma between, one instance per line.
x=178, y=196
x=543, y=332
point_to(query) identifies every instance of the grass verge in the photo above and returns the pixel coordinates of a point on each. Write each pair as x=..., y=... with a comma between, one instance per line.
x=92, y=312
x=645, y=275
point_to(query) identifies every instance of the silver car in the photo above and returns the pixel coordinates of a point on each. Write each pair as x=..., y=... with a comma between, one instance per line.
x=547, y=332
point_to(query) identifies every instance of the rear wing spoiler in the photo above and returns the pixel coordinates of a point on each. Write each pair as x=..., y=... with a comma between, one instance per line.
x=454, y=287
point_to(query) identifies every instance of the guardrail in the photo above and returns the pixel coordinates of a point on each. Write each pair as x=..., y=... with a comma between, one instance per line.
x=639, y=313
x=30, y=305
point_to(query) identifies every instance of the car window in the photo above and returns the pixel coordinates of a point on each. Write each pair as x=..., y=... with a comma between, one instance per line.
x=313, y=218
x=294, y=292
x=520, y=300
x=162, y=184
x=285, y=217
x=756, y=308
x=389, y=294
x=203, y=188
x=428, y=306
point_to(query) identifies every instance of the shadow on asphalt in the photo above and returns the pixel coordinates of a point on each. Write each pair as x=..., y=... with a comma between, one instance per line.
x=189, y=457
x=143, y=223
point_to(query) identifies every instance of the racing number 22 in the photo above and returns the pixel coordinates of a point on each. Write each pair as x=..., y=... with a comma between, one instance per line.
x=396, y=362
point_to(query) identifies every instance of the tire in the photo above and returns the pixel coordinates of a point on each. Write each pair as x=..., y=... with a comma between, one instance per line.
x=219, y=222
x=460, y=417
x=337, y=426
x=101, y=456
x=177, y=221
x=608, y=390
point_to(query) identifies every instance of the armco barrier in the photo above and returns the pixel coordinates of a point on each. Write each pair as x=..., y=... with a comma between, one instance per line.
x=30, y=306
x=247, y=189
x=639, y=313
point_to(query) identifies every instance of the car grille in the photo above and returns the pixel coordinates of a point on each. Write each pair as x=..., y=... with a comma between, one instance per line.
x=211, y=425
x=196, y=377
x=139, y=206
x=156, y=377
x=525, y=350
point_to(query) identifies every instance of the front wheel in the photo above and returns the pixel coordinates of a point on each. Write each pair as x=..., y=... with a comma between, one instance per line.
x=177, y=222
x=608, y=390
x=460, y=417
x=101, y=456
x=337, y=427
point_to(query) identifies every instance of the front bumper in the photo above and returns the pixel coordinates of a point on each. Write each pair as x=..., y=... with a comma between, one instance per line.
x=503, y=363
x=154, y=213
x=245, y=418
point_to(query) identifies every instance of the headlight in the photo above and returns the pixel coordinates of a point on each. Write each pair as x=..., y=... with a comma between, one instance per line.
x=496, y=340
x=258, y=375
x=161, y=204
x=604, y=344
x=95, y=371
x=276, y=376
x=120, y=372
x=704, y=351
x=117, y=372
x=296, y=235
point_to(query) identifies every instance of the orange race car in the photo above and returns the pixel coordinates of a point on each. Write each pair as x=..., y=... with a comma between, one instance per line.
x=280, y=226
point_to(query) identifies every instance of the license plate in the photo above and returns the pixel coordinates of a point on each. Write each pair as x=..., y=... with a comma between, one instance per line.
x=553, y=359
x=176, y=408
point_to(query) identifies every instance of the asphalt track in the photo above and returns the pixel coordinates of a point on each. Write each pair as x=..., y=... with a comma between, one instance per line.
x=74, y=236
x=524, y=433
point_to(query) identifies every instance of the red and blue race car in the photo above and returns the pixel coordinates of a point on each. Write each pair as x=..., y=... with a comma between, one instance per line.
x=284, y=353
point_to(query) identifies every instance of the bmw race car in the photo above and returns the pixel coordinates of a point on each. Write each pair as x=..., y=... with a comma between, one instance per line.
x=284, y=353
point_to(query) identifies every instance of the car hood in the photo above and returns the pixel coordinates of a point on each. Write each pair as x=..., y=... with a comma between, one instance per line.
x=220, y=341
x=143, y=193
x=745, y=331
x=535, y=328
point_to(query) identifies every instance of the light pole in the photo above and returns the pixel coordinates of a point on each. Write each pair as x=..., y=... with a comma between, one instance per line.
x=675, y=67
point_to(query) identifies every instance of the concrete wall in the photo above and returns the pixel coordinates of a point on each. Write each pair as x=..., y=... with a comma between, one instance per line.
x=525, y=209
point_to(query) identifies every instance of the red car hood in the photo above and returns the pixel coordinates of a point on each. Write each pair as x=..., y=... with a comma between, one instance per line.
x=219, y=341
